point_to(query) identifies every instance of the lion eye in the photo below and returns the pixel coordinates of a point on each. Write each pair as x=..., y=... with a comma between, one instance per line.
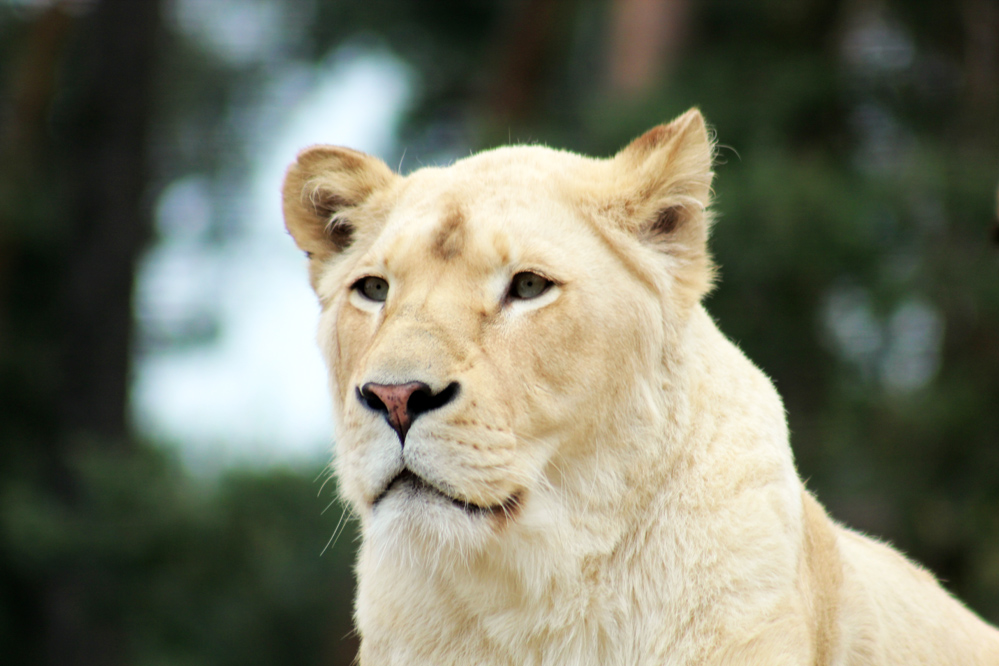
x=528, y=285
x=372, y=288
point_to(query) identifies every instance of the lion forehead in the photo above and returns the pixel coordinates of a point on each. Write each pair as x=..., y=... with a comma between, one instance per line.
x=446, y=226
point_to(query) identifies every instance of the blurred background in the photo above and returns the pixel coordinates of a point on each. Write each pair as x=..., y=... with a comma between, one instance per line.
x=164, y=426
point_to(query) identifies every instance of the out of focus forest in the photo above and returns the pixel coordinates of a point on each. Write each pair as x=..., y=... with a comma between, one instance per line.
x=856, y=234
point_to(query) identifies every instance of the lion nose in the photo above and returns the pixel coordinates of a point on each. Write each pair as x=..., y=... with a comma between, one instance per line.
x=402, y=403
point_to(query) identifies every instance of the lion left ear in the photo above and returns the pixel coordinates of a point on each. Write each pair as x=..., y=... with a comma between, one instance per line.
x=664, y=187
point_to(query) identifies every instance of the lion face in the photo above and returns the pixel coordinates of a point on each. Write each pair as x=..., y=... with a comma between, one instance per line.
x=488, y=324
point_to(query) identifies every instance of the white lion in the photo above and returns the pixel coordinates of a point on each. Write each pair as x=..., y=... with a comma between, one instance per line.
x=555, y=455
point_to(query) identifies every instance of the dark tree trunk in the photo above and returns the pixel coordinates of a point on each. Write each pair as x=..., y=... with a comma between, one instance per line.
x=74, y=221
x=106, y=167
x=106, y=171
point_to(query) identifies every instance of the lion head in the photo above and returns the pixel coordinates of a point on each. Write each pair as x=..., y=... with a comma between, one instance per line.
x=493, y=328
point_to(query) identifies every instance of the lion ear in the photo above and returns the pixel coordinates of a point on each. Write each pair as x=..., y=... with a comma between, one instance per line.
x=665, y=182
x=320, y=189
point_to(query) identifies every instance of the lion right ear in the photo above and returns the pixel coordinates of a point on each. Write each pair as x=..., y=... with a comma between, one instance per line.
x=321, y=188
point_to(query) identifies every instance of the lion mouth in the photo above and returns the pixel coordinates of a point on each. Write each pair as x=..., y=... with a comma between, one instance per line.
x=415, y=484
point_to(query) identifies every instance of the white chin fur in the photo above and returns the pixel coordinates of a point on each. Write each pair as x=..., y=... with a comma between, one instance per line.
x=425, y=528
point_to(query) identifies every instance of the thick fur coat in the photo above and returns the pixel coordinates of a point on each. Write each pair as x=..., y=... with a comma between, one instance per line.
x=555, y=455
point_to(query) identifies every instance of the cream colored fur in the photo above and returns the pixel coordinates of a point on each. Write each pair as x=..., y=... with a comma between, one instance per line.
x=645, y=508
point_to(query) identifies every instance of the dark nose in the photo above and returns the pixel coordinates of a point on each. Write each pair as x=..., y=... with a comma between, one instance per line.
x=402, y=403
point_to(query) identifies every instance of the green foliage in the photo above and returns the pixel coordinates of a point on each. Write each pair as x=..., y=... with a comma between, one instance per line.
x=233, y=572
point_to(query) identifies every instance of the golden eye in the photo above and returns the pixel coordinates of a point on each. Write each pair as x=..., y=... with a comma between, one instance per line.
x=528, y=285
x=372, y=288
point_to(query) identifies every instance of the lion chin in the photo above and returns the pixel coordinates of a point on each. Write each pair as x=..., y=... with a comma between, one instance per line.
x=413, y=518
x=554, y=454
